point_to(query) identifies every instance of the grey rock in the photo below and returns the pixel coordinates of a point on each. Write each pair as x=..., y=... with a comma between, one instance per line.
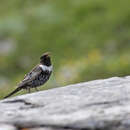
x=7, y=127
x=49, y=128
x=100, y=104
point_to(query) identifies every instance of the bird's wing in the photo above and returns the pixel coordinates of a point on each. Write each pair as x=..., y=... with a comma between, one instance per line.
x=31, y=75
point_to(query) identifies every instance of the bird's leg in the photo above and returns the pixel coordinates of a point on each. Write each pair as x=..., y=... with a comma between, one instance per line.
x=29, y=90
x=36, y=89
x=26, y=89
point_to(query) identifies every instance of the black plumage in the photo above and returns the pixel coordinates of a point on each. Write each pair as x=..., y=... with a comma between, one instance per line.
x=37, y=77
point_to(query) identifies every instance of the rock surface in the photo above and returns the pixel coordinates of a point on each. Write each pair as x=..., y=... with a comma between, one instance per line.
x=7, y=127
x=95, y=105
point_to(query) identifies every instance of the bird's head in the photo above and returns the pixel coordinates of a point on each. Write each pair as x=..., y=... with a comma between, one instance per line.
x=45, y=59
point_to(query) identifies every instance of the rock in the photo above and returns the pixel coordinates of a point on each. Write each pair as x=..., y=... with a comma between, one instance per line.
x=7, y=127
x=95, y=105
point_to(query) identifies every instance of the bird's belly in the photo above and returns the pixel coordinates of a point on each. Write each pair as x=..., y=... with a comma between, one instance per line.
x=40, y=80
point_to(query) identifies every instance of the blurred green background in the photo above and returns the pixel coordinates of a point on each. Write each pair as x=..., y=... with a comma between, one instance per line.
x=88, y=40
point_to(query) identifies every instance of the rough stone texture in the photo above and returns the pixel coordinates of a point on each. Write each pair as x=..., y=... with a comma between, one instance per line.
x=95, y=105
x=7, y=127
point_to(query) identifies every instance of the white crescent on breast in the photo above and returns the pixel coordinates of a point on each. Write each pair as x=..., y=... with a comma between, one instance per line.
x=46, y=68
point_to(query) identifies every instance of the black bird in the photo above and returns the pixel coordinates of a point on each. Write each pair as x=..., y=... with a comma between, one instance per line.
x=37, y=77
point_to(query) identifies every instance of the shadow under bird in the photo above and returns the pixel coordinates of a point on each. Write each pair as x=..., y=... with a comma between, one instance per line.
x=37, y=77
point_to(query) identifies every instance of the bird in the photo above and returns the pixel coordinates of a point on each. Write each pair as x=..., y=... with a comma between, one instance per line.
x=39, y=75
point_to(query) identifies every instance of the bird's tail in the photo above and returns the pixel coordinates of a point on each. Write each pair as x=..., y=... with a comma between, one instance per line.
x=15, y=91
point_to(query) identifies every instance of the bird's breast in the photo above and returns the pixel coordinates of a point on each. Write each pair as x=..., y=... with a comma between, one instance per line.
x=41, y=79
